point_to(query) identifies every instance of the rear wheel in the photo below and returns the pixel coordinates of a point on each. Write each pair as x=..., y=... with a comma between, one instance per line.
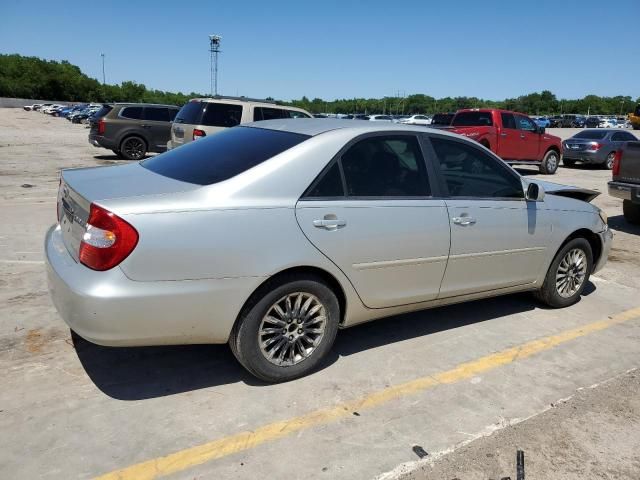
x=631, y=212
x=287, y=329
x=550, y=162
x=608, y=162
x=568, y=274
x=133, y=148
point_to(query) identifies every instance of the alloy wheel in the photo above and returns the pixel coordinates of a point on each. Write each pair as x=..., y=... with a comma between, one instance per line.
x=292, y=329
x=552, y=162
x=571, y=273
x=134, y=148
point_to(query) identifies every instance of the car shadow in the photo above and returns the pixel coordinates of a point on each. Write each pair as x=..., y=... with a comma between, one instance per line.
x=620, y=224
x=139, y=373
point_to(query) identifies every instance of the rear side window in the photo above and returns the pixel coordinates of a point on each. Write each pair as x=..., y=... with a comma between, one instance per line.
x=508, y=121
x=472, y=119
x=329, y=186
x=156, y=114
x=190, y=113
x=265, y=113
x=296, y=114
x=222, y=115
x=222, y=156
x=134, y=113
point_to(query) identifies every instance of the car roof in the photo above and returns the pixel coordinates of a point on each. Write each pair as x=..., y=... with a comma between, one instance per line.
x=134, y=104
x=317, y=126
x=240, y=101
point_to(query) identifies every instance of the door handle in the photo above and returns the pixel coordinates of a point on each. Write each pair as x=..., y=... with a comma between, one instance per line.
x=463, y=221
x=522, y=135
x=145, y=126
x=503, y=134
x=329, y=224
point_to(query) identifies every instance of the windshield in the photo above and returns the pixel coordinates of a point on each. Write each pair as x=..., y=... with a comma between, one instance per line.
x=591, y=134
x=472, y=119
x=222, y=155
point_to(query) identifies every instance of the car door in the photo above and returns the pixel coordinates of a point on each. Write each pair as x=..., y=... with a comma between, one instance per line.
x=498, y=239
x=529, y=138
x=372, y=212
x=509, y=140
x=156, y=123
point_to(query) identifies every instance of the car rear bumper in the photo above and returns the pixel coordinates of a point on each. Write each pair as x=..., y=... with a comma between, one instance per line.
x=102, y=142
x=110, y=309
x=625, y=191
x=585, y=156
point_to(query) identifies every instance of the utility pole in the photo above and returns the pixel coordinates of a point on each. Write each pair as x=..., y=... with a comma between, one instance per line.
x=621, y=107
x=214, y=50
x=103, y=75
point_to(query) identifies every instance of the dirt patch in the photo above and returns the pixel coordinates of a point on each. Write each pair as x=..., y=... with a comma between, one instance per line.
x=34, y=341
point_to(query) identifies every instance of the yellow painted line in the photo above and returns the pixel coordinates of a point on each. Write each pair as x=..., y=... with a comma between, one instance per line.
x=239, y=442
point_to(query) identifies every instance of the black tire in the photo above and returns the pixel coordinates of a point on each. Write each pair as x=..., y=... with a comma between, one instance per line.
x=631, y=212
x=117, y=153
x=244, y=339
x=133, y=148
x=548, y=293
x=608, y=162
x=550, y=162
x=568, y=162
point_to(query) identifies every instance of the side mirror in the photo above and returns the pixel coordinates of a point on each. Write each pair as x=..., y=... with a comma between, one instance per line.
x=541, y=130
x=535, y=193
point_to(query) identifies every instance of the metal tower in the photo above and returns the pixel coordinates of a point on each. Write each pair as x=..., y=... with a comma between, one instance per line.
x=214, y=49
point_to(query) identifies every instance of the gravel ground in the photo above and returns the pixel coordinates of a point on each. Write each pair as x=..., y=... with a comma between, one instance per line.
x=594, y=434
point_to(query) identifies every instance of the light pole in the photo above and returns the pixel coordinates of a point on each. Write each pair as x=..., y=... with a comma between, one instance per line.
x=621, y=107
x=103, y=75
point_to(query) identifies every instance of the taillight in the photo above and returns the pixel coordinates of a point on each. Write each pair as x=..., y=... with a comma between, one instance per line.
x=595, y=146
x=616, y=163
x=197, y=133
x=107, y=240
x=101, y=127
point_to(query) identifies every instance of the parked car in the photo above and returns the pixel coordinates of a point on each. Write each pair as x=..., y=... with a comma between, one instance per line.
x=607, y=123
x=442, y=119
x=36, y=106
x=360, y=116
x=512, y=136
x=555, y=121
x=28, y=108
x=634, y=118
x=417, y=120
x=83, y=115
x=131, y=130
x=543, y=122
x=203, y=116
x=625, y=183
x=234, y=238
x=592, y=122
x=578, y=121
x=597, y=147
x=380, y=118
x=319, y=115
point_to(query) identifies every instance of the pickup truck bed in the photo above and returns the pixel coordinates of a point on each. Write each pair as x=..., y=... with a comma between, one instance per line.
x=626, y=181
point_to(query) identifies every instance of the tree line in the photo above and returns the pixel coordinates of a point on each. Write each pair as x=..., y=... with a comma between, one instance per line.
x=32, y=77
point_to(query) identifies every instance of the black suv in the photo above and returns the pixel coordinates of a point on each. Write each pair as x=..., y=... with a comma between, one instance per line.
x=131, y=130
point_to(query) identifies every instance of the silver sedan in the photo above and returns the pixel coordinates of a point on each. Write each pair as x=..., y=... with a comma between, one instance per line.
x=274, y=235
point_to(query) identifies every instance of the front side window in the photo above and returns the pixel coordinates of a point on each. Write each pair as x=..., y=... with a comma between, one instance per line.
x=525, y=123
x=222, y=115
x=470, y=172
x=385, y=166
x=266, y=113
x=156, y=114
x=134, y=113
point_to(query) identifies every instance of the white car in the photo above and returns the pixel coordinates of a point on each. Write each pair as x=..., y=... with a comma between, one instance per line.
x=417, y=120
x=607, y=123
x=50, y=109
x=380, y=118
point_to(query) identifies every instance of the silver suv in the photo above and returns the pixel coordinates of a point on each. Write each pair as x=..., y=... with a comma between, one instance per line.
x=203, y=116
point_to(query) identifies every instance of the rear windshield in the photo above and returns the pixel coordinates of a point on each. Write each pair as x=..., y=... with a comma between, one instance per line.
x=442, y=119
x=591, y=134
x=472, y=119
x=191, y=112
x=222, y=155
x=103, y=111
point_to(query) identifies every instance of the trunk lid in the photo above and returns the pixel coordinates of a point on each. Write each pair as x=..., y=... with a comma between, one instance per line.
x=81, y=187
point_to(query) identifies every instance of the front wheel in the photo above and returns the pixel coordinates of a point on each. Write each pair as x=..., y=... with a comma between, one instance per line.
x=550, y=162
x=568, y=274
x=287, y=329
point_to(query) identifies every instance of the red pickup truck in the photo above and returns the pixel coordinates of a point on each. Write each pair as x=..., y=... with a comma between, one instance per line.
x=512, y=136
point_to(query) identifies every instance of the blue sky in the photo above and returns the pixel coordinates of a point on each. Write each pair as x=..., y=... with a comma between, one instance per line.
x=340, y=49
